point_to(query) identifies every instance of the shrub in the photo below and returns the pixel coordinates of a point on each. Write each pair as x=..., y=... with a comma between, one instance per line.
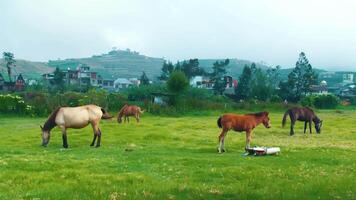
x=177, y=82
x=14, y=104
x=320, y=101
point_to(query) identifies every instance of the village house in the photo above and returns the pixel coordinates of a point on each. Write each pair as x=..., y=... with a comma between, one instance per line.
x=206, y=83
x=12, y=86
x=320, y=89
x=122, y=83
x=82, y=75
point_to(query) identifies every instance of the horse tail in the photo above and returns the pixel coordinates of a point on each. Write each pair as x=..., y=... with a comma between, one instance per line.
x=105, y=115
x=219, y=122
x=285, y=118
x=140, y=111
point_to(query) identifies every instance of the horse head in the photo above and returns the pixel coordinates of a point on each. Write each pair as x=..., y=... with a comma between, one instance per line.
x=265, y=120
x=119, y=120
x=318, y=124
x=45, y=136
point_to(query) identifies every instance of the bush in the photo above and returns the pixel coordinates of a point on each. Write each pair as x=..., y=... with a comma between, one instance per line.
x=321, y=101
x=14, y=104
x=177, y=82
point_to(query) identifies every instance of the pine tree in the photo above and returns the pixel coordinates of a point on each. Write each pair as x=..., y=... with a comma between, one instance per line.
x=10, y=62
x=243, y=90
x=144, y=79
x=217, y=76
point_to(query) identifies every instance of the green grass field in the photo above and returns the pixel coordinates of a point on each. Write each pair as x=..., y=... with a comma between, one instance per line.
x=176, y=158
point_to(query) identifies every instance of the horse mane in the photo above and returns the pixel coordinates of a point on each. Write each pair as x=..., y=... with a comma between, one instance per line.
x=122, y=110
x=51, y=121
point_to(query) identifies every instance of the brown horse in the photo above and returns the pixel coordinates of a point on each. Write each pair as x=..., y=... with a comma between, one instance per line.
x=74, y=117
x=127, y=111
x=241, y=123
x=304, y=114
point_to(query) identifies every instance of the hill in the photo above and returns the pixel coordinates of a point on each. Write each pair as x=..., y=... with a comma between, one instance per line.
x=118, y=63
x=28, y=69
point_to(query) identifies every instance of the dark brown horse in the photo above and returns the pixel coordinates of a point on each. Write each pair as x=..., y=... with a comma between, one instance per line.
x=305, y=115
x=241, y=123
x=74, y=117
x=127, y=111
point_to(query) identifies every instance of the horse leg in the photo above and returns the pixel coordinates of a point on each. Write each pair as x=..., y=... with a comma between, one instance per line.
x=305, y=126
x=248, y=139
x=221, y=148
x=310, y=127
x=137, y=118
x=99, y=138
x=292, y=127
x=94, y=138
x=64, y=137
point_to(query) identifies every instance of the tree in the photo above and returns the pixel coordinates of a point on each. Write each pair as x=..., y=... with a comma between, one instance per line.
x=217, y=76
x=58, y=80
x=167, y=69
x=191, y=68
x=144, y=79
x=177, y=82
x=299, y=80
x=273, y=76
x=243, y=90
x=10, y=62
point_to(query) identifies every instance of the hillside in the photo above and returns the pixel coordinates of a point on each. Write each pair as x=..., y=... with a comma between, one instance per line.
x=123, y=63
x=28, y=69
x=116, y=64
x=234, y=68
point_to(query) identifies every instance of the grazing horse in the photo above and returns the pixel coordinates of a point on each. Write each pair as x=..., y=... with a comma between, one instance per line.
x=127, y=111
x=74, y=117
x=304, y=114
x=241, y=123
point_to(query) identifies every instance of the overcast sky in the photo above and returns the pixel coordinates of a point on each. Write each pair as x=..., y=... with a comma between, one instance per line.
x=273, y=31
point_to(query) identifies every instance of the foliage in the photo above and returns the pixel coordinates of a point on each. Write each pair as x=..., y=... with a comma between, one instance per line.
x=14, y=104
x=243, y=90
x=256, y=84
x=10, y=62
x=190, y=68
x=299, y=80
x=167, y=69
x=58, y=81
x=217, y=76
x=144, y=79
x=177, y=82
x=321, y=101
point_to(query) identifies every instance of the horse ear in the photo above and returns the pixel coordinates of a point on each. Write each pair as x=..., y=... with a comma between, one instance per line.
x=266, y=113
x=41, y=127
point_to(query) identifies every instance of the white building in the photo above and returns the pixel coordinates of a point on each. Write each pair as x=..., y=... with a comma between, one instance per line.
x=122, y=83
x=348, y=78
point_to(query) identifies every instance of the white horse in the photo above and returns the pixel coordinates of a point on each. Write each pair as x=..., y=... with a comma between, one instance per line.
x=74, y=117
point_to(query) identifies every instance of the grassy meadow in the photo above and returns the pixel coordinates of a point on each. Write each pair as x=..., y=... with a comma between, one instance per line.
x=176, y=158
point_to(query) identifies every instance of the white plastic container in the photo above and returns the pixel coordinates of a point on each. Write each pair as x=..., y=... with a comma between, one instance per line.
x=273, y=150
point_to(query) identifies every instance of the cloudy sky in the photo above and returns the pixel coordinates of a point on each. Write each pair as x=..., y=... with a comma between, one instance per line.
x=273, y=31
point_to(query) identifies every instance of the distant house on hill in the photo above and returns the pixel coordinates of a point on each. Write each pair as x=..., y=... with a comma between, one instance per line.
x=82, y=75
x=12, y=86
x=322, y=88
x=206, y=83
x=122, y=83
x=106, y=83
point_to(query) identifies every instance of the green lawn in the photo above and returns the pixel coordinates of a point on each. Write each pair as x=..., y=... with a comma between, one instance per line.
x=176, y=158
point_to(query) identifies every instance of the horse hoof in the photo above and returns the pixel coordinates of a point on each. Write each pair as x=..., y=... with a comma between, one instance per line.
x=65, y=146
x=97, y=146
x=91, y=145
